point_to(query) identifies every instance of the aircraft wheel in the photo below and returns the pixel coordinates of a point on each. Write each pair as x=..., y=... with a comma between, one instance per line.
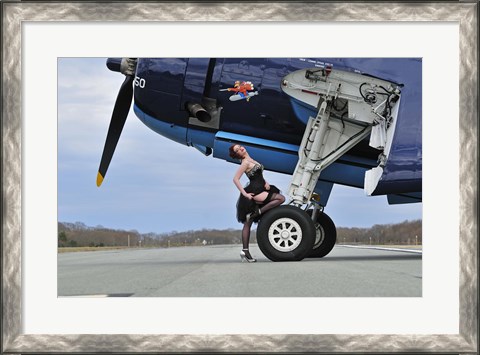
x=286, y=233
x=325, y=235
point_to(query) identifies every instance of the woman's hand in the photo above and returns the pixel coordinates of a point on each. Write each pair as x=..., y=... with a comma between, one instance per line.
x=267, y=186
x=249, y=195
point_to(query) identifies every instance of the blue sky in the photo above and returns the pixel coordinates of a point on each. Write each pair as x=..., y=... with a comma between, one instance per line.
x=154, y=184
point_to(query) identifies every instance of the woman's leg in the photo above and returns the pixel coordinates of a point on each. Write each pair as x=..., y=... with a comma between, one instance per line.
x=246, y=234
x=276, y=200
x=260, y=197
x=245, y=254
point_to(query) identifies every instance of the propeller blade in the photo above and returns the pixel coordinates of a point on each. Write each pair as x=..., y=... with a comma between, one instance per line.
x=119, y=116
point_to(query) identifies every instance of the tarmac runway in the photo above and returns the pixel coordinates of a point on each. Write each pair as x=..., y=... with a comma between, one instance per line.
x=216, y=271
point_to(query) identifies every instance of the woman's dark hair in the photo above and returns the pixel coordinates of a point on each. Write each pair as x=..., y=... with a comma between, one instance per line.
x=232, y=153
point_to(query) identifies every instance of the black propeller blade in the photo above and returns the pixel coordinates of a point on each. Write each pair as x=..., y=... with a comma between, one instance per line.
x=119, y=116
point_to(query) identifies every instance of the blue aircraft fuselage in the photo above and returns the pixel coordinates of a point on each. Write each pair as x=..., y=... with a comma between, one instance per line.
x=271, y=124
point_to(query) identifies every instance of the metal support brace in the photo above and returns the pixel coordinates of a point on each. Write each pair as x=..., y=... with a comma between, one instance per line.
x=328, y=137
x=320, y=148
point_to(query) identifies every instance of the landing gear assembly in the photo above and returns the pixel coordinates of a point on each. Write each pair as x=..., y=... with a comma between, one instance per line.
x=288, y=233
x=302, y=229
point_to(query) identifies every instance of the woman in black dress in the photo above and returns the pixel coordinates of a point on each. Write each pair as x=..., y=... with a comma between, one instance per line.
x=255, y=199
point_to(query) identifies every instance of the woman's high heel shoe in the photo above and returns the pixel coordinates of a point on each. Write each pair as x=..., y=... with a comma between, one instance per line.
x=245, y=255
x=254, y=216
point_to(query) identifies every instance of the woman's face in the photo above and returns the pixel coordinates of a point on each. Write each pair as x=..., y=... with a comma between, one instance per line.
x=239, y=150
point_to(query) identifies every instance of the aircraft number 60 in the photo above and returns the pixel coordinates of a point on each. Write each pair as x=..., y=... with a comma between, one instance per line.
x=139, y=82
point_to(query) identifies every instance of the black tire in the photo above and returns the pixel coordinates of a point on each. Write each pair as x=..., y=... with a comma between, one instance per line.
x=325, y=235
x=298, y=234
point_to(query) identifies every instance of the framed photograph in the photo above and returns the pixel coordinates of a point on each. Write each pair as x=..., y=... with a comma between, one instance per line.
x=40, y=37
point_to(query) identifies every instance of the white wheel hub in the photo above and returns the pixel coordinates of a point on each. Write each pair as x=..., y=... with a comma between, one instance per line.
x=319, y=235
x=285, y=234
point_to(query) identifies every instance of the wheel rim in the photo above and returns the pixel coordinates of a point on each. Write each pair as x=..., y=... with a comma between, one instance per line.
x=285, y=234
x=319, y=235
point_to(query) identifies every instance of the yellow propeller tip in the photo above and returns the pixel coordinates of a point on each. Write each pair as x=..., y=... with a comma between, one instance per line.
x=99, y=179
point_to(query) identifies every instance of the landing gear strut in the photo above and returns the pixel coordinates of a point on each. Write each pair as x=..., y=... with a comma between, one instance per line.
x=293, y=232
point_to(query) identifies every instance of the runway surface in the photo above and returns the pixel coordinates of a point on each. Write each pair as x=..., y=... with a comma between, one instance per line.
x=216, y=271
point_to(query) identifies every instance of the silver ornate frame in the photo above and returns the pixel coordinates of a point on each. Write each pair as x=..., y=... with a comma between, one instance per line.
x=14, y=12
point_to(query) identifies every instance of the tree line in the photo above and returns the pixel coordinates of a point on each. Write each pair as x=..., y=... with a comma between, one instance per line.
x=79, y=235
x=407, y=233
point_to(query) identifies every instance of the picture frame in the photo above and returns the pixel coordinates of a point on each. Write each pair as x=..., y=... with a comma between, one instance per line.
x=15, y=12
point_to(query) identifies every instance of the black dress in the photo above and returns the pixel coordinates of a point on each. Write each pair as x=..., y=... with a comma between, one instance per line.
x=256, y=186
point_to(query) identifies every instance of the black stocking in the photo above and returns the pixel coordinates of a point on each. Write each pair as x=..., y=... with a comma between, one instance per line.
x=277, y=200
x=246, y=234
